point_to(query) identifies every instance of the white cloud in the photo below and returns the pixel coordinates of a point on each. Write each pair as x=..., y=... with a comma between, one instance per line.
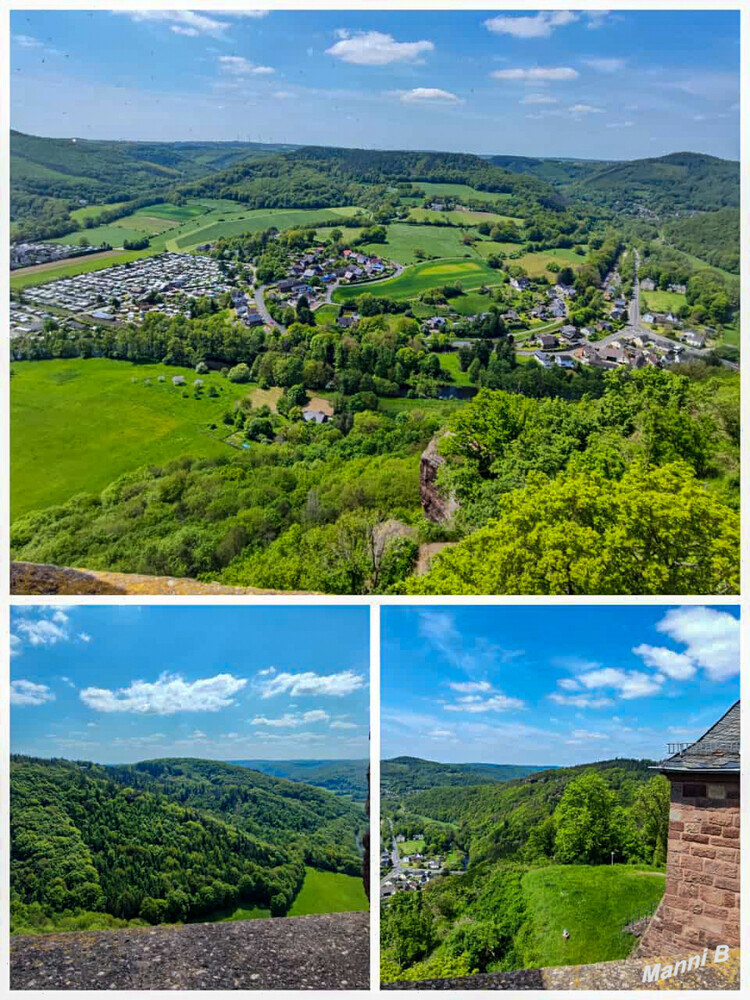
x=439, y=734
x=308, y=682
x=678, y=666
x=536, y=74
x=179, y=29
x=16, y=645
x=597, y=18
x=628, y=683
x=27, y=42
x=585, y=109
x=625, y=124
x=197, y=23
x=539, y=99
x=292, y=720
x=169, y=694
x=239, y=66
x=495, y=703
x=29, y=693
x=606, y=65
x=374, y=48
x=420, y=95
x=587, y=734
x=712, y=638
x=344, y=725
x=569, y=684
x=282, y=95
x=84, y=637
x=540, y=25
x=42, y=632
x=580, y=700
x=467, y=687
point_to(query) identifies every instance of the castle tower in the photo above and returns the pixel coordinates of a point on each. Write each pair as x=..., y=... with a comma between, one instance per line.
x=701, y=904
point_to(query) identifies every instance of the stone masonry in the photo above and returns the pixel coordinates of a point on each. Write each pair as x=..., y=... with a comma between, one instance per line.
x=701, y=904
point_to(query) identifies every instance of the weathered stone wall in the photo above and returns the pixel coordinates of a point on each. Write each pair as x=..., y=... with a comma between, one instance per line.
x=701, y=903
x=624, y=975
x=330, y=951
x=37, y=578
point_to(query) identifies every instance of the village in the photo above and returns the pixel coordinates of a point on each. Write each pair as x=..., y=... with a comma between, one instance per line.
x=401, y=872
x=30, y=254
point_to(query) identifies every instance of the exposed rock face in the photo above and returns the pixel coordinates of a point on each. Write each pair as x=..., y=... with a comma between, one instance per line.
x=329, y=951
x=436, y=507
x=624, y=975
x=36, y=578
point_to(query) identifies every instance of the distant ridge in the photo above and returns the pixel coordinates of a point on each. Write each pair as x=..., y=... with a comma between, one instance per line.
x=402, y=775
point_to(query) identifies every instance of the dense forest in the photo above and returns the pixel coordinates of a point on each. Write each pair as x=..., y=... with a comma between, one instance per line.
x=344, y=777
x=711, y=236
x=555, y=496
x=402, y=776
x=597, y=831
x=168, y=840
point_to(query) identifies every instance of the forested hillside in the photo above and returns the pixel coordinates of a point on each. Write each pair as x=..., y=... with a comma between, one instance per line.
x=580, y=847
x=344, y=777
x=711, y=236
x=169, y=840
x=665, y=184
x=402, y=776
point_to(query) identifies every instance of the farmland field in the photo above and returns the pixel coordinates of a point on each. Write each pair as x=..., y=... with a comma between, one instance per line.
x=210, y=227
x=403, y=240
x=86, y=422
x=459, y=191
x=421, y=277
x=87, y=211
x=535, y=264
x=328, y=892
x=26, y=277
x=460, y=217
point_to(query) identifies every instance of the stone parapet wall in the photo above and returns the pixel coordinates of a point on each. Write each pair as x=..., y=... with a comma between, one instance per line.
x=701, y=903
x=624, y=975
x=329, y=951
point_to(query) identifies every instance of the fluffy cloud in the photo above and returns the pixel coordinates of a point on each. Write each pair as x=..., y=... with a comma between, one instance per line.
x=239, y=66
x=189, y=22
x=606, y=65
x=469, y=687
x=29, y=693
x=169, y=694
x=495, y=703
x=374, y=48
x=712, y=638
x=580, y=700
x=292, y=720
x=628, y=683
x=678, y=666
x=309, y=683
x=536, y=74
x=338, y=724
x=626, y=124
x=584, y=109
x=422, y=95
x=540, y=25
x=44, y=631
x=27, y=42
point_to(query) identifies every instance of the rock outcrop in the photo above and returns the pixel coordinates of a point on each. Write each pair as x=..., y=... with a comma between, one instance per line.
x=37, y=578
x=436, y=507
x=624, y=975
x=329, y=951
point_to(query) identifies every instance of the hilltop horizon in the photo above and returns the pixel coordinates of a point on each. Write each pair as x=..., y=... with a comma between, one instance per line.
x=489, y=154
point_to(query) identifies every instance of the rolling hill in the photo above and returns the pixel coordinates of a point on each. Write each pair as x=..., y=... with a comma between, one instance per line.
x=402, y=776
x=169, y=840
x=344, y=777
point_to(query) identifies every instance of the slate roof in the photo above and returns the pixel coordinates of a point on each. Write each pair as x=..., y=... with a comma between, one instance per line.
x=717, y=750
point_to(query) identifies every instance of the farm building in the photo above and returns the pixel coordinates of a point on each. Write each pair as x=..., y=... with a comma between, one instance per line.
x=701, y=905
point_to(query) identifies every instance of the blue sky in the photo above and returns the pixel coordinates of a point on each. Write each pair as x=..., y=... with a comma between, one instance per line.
x=620, y=84
x=128, y=683
x=553, y=684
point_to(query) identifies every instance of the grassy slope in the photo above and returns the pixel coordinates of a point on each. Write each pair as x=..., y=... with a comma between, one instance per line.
x=472, y=274
x=594, y=904
x=86, y=422
x=403, y=239
x=328, y=892
x=434, y=188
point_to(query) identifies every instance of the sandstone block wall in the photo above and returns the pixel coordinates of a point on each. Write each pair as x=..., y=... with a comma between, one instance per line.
x=701, y=904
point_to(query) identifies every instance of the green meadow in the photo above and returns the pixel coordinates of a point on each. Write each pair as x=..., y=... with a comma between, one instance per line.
x=216, y=223
x=328, y=892
x=460, y=217
x=403, y=240
x=411, y=847
x=472, y=274
x=662, y=302
x=436, y=189
x=67, y=268
x=79, y=424
x=593, y=903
